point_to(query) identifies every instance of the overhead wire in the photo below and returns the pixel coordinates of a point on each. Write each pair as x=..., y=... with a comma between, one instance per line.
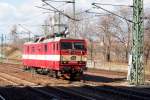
x=59, y=1
x=93, y=12
x=113, y=4
x=25, y=28
x=82, y=12
x=94, y=4
x=61, y=12
x=45, y=8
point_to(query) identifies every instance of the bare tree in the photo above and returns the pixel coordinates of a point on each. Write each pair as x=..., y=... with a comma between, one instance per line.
x=106, y=27
x=17, y=40
x=13, y=34
x=127, y=13
x=147, y=39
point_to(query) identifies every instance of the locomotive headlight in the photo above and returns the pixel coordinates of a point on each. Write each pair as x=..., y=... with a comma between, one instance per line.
x=64, y=62
x=84, y=58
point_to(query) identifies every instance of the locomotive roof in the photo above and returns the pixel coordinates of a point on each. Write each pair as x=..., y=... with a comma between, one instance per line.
x=51, y=40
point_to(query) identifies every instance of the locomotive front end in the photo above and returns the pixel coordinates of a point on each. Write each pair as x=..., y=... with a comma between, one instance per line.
x=73, y=56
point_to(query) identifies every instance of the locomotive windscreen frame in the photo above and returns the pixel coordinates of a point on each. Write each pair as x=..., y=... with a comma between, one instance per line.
x=72, y=45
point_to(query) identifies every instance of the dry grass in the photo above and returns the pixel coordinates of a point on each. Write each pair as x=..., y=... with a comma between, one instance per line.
x=147, y=67
x=12, y=53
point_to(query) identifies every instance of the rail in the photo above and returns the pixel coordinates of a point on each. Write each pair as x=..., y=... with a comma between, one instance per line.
x=122, y=92
x=119, y=92
x=2, y=98
x=12, y=79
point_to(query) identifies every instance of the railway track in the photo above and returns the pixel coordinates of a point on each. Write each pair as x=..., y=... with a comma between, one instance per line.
x=31, y=76
x=50, y=92
x=128, y=91
x=16, y=82
x=122, y=93
x=2, y=98
x=86, y=91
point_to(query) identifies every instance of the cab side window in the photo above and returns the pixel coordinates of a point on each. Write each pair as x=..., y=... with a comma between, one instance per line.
x=54, y=46
x=57, y=46
x=33, y=50
x=27, y=49
x=45, y=47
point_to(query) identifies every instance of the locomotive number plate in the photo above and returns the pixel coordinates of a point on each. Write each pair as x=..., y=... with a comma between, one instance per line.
x=73, y=58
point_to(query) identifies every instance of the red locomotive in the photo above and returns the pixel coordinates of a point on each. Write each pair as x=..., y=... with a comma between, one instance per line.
x=57, y=56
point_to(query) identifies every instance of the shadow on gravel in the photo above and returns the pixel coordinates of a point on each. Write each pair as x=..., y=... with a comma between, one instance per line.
x=94, y=93
x=19, y=93
x=94, y=78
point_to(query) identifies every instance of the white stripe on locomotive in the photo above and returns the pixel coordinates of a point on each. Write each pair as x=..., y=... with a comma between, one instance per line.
x=54, y=57
x=42, y=57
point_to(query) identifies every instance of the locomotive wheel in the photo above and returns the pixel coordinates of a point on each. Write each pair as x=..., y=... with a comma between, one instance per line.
x=76, y=76
x=42, y=71
x=73, y=77
x=66, y=76
x=53, y=74
x=25, y=68
x=50, y=73
x=33, y=70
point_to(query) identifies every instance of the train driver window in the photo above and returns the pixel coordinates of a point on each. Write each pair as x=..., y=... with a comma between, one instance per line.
x=27, y=49
x=79, y=46
x=45, y=47
x=53, y=46
x=66, y=45
x=57, y=46
x=39, y=49
x=33, y=49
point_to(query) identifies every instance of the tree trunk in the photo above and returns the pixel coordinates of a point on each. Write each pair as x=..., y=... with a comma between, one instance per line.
x=147, y=55
x=108, y=54
x=126, y=55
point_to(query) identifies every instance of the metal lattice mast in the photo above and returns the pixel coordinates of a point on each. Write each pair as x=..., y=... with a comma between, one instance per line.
x=74, y=16
x=137, y=70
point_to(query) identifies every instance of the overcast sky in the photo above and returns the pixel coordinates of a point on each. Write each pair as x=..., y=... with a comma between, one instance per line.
x=24, y=12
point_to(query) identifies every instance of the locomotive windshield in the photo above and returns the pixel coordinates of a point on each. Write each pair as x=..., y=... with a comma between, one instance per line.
x=78, y=45
x=66, y=45
x=72, y=45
